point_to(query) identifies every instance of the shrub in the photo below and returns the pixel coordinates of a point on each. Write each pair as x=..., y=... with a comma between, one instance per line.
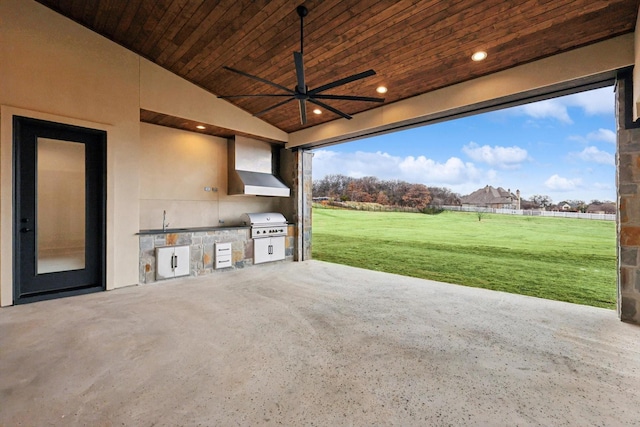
x=432, y=210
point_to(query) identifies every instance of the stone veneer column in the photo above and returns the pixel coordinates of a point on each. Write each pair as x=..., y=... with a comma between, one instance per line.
x=628, y=184
x=308, y=202
x=304, y=196
x=296, y=168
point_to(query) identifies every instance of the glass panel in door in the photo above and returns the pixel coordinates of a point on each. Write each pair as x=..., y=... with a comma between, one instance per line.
x=60, y=205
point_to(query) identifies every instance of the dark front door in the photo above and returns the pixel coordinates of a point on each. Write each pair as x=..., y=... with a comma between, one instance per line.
x=59, y=210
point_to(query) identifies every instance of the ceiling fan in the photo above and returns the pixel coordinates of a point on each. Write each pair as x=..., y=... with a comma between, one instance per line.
x=301, y=92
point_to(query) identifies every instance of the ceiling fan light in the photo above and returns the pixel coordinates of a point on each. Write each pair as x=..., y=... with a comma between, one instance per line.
x=480, y=55
x=381, y=89
x=317, y=111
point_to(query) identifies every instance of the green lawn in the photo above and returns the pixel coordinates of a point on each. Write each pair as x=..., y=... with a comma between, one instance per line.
x=555, y=258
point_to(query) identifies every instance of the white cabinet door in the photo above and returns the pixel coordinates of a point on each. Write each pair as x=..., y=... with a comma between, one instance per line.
x=164, y=263
x=261, y=250
x=277, y=248
x=172, y=261
x=268, y=249
x=181, y=261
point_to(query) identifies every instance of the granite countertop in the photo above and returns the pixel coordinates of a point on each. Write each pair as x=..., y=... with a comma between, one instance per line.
x=190, y=229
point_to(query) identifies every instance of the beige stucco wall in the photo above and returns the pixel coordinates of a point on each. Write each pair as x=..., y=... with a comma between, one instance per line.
x=180, y=98
x=175, y=167
x=52, y=68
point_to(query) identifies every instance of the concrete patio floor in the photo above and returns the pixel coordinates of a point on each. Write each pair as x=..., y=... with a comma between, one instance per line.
x=315, y=344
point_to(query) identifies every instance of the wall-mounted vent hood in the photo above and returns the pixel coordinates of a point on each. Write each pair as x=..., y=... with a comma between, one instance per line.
x=251, y=169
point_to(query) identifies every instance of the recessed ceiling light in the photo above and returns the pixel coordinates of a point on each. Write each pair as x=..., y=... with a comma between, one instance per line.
x=200, y=127
x=479, y=55
x=381, y=89
x=317, y=111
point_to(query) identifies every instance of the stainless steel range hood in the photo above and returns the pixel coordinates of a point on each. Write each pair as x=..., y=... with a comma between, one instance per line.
x=252, y=167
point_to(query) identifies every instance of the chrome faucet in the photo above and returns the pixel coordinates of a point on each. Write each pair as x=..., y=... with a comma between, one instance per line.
x=165, y=224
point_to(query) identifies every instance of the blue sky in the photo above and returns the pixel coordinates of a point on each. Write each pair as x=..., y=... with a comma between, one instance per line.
x=562, y=147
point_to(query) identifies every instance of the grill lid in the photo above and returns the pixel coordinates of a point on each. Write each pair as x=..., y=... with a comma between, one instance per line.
x=261, y=219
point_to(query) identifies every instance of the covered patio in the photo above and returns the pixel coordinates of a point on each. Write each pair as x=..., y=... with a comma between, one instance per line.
x=315, y=344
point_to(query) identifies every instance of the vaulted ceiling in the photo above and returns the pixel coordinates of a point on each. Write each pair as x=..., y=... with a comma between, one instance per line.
x=414, y=46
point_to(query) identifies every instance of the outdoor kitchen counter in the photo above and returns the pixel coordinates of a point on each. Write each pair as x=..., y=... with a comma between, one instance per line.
x=190, y=230
x=202, y=242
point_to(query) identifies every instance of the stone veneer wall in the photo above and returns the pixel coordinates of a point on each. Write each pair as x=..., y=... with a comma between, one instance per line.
x=628, y=183
x=296, y=168
x=202, y=249
x=307, y=202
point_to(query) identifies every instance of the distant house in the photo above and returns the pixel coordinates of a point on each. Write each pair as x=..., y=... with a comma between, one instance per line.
x=602, y=208
x=494, y=198
x=564, y=206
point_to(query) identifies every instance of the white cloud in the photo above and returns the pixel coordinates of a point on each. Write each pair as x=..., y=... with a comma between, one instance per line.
x=600, y=135
x=593, y=154
x=385, y=166
x=550, y=108
x=558, y=183
x=594, y=102
x=453, y=171
x=605, y=135
x=501, y=157
x=599, y=101
x=356, y=164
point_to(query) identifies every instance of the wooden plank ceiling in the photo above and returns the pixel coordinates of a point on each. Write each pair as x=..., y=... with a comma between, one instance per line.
x=414, y=46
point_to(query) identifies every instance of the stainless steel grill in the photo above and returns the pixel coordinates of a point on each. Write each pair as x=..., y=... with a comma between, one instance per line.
x=270, y=224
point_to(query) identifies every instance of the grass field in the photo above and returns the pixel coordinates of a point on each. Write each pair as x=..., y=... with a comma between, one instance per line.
x=555, y=258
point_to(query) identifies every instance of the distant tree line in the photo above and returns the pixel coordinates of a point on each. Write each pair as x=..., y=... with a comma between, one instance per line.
x=370, y=189
x=385, y=192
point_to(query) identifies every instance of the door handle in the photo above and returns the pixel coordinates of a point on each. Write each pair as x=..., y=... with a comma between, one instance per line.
x=25, y=230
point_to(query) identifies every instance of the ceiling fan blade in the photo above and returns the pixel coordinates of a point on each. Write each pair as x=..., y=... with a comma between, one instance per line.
x=242, y=73
x=333, y=110
x=303, y=111
x=266, y=110
x=343, y=81
x=254, y=96
x=298, y=61
x=301, y=92
x=348, y=98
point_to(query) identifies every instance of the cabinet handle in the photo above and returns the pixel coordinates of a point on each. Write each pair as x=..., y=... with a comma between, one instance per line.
x=174, y=262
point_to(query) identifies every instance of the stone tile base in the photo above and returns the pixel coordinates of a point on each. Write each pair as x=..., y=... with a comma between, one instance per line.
x=201, y=246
